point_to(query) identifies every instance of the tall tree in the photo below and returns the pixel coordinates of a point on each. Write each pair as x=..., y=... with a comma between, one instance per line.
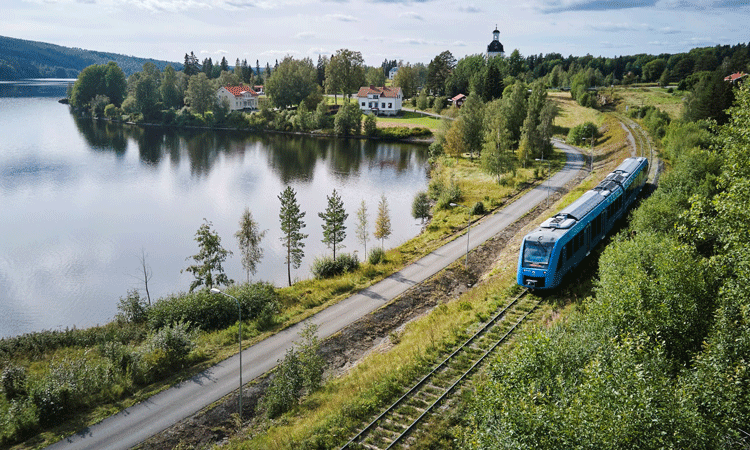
x=170, y=92
x=248, y=239
x=374, y=77
x=208, y=67
x=497, y=150
x=291, y=226
x=291, y=82
x=438, y=72
x=201, y=96
x=321, y=70
x=362, y=232
x=334, y=218
x=147, y=95
x=208, y=270
x=514, y=105
x=406, y=79
x=420, y=207
x=224, y=65
x=116, y=83
x=192, y=66
x=383, y=221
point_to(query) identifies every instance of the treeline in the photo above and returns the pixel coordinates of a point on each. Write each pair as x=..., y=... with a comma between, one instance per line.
x=658, y=357
x=29, y=59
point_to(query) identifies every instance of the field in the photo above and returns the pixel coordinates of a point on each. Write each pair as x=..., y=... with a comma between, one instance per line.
x=650, y=96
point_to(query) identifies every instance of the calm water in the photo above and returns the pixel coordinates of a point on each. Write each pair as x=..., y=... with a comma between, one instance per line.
x=80, y=200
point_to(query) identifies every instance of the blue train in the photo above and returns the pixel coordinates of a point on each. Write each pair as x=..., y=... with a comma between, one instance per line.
x=563, y=241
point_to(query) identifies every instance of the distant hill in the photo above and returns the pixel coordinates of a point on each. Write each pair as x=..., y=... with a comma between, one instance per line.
x=29, y=59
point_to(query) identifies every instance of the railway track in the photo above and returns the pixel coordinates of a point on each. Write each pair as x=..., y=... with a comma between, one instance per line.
x=643, y=146
x=394, y=427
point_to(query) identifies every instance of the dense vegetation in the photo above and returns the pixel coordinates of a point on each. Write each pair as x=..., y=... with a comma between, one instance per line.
x=28, y=59
x=658, y=358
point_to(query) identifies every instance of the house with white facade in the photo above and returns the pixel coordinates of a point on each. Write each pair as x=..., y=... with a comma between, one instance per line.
x=392, y=73
x=239, y=97
x=385, y=101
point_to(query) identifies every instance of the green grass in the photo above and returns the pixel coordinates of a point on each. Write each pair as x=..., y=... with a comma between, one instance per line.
x=651, y=96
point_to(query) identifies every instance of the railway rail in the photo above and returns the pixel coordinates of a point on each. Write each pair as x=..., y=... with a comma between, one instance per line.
x=643, y=146
x=393, y=427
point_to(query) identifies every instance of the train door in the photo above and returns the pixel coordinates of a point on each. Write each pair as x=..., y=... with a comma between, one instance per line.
x=587, y=234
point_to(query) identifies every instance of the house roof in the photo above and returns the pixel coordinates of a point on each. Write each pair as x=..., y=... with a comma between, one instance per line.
x=387, y=92
x=735, y=76
x=237, y=91
x=458, y=97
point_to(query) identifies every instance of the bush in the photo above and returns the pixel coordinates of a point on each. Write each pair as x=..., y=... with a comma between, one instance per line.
x=133, y=309
x=13, y=380
x=577, y=134
x=377, y=255
x=327, y=267
x=175, y=341
x=478, y=209
x=209, y=311
x=371, y=125
x=420, y=207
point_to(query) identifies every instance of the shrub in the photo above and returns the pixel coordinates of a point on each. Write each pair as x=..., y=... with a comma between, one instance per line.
x=14, y=381
x=371, y=125
x=327, y=267
x=577, y=134
x=478, y=209
x=133, y=309
x=420, y=207
x=377, y=255
x=176, y=341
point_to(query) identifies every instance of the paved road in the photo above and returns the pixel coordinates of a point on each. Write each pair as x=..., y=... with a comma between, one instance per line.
x=137, y=423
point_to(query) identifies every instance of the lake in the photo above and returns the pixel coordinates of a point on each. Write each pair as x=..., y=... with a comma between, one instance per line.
x=82, y=200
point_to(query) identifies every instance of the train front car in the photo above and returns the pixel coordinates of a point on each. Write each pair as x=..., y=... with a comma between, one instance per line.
x=536, y=263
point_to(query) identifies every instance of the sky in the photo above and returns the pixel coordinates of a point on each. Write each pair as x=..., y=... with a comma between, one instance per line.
x=409, y=30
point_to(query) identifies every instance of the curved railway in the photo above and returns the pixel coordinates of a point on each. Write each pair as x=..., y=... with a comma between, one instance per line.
x=393, y=427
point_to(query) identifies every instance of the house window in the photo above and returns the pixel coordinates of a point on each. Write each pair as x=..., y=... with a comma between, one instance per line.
x=390, y=105
x=363, y=103
x=382, y=105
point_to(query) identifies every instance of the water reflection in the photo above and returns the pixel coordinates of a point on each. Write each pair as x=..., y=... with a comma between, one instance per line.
x=83, y=198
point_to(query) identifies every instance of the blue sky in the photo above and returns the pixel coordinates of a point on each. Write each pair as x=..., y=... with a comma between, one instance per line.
x=412, y=31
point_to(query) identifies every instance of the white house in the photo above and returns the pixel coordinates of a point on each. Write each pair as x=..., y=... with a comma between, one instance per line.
x=392, y=73
x=240, y=97
x=380, y=100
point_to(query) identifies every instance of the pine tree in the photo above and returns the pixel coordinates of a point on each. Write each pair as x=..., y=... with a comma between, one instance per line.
x=208, y=270
x=334, y=218
x=248, y=239
x=291, y=224
x=383, y=221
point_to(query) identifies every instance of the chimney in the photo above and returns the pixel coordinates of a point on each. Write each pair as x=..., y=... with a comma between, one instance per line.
x=372, y=87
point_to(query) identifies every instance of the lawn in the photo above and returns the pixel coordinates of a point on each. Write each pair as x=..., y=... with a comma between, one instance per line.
x=650, y=96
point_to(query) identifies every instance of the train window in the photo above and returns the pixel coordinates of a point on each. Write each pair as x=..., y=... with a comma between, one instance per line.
x=537, y=254
x=569, y=250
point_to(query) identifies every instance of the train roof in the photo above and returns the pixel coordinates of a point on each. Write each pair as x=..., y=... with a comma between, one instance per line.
x=577, y=210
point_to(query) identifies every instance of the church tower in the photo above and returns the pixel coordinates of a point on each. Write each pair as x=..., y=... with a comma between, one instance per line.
x=495, y=48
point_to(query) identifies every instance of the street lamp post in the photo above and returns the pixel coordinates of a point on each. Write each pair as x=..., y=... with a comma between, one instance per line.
x=239, y=310
x=468, y=233
x=549, y=177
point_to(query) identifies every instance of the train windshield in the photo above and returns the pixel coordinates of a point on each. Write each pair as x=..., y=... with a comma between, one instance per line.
x=537, y=254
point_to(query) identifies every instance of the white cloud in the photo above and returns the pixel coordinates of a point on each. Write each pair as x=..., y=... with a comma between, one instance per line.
x=342, y=18
x=305, y=35
x=411, y=15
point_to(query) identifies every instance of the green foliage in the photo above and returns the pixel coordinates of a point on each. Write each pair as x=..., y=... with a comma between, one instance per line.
x=348, y=120
x=478, y=209
x=709, y=99
x=585, y=130
x=370, y=125
x=292, y=237
x=334, y=222
x=174, y=340
x=248, y=239
x=383, y=221
x=14, y=381
x=327, y=267
x=207, y=311
x=345, y=72
x=200, y=96
x=132, y=308
x=402, y=132
x=300, y=372
x=376, y=256
x=291, y=82
x=208, y=270
x=420, y=207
